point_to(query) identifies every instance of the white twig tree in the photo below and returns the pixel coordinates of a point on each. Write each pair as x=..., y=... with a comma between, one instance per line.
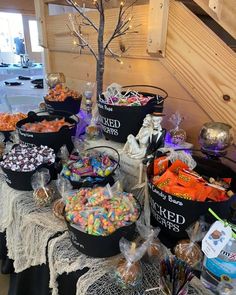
x=122, y=27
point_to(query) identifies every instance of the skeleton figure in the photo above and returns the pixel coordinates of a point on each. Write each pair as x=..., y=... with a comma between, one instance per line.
x=136, y=146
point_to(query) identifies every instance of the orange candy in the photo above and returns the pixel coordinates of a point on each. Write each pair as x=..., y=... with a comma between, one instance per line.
x=8, y=121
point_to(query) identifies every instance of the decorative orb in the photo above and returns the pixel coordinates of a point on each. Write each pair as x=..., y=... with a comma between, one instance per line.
x=55, y=78
x=215, y=138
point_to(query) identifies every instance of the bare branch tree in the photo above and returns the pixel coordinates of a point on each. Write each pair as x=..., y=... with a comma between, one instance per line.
x=122, y=27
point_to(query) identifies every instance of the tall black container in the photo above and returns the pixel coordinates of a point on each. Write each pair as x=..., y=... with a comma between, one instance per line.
x=120, y=121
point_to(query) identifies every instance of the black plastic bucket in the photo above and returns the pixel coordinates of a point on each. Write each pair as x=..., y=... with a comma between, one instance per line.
x=101, y=246
x=22, y=180
x=119, y=121
x=174, y=215
x=69, y=106
x=54, y=140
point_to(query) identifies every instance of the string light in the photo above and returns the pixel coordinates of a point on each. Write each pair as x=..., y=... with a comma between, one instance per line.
x=74, y=42
x=121, y=3
x=121, y=62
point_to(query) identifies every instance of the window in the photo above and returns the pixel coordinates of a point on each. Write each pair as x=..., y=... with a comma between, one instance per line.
x=34, y=39
x=11, y=26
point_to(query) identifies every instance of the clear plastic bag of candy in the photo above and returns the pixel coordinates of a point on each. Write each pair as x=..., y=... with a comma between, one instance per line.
x=226, y=288
x=43, y=193
x=188, y=250
x=178, y=135
x=128, y=271
x=93, y=130
x=63, y=186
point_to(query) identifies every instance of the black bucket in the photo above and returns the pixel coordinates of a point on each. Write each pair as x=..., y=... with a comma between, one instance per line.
x=54, y=140
x=69, y=106
x=120, y=121
x=174, y=215
x=101, y=246
x=22, y=180
x=100, y=181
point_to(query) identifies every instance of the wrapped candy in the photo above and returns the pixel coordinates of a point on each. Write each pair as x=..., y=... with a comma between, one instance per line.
x=178, y=135
x=43, y=194
x=155, y=251
x=114, y=96
x=188, y=250
x=63, y=186
x=128, y=272
x=100, y=211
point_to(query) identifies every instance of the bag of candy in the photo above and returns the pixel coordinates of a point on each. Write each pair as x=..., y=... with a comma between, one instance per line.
x=43, y=194
x=128, y=271
x=63, y=186
x=188, y=250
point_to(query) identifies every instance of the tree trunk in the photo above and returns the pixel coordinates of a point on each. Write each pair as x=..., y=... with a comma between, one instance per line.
x=101, y=52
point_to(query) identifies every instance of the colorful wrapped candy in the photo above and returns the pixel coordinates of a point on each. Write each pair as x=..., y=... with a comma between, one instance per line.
x=92, y=167
x=99, y=212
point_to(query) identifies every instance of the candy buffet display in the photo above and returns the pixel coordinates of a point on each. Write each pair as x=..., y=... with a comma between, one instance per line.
x=25, y=158
x=100, y=212
x=61, y=93
x=8, y=121
x=45, y=126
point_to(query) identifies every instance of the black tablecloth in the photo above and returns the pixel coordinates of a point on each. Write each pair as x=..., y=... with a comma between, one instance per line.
x=35, y=280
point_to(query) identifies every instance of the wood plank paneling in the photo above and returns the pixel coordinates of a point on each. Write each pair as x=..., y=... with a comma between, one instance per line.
x=59, y=37
x=202, y=63
x=21, y=6
x=226, y=16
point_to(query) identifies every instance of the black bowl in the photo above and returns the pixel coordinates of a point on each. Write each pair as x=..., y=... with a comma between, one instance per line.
x=101, y=246
x=174, y=215
x=22, y=180
x=69, y=106
x=54, y=140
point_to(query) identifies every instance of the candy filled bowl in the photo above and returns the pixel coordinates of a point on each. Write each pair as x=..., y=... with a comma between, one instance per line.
x=61, y=99
x=177, y=202
x=46, y=129
x=96, y=230
x=95, y=167
x=19, y=165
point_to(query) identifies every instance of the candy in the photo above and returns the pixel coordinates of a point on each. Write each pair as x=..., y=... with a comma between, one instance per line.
x=27, y=158
x=98, y=213
x=8, y=121
x=92, y=167
x=45, y=126
x=61, y=93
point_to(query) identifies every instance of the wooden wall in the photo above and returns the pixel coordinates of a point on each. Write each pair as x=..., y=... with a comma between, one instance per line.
x=21, y=6
x=197, y=71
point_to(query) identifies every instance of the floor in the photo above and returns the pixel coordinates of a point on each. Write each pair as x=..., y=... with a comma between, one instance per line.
x=4, y=283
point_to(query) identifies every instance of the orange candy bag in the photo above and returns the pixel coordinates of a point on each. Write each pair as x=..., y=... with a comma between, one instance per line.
x=160, y=165
x=178, y=165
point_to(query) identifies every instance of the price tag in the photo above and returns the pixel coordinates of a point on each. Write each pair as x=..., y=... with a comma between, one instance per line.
x=216, y=239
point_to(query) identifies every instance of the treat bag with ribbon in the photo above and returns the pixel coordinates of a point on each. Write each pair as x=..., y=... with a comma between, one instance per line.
x=178, y=135
x=43, y=194
x=188, y=250
x=93, y=130
x=63, y=186
x=128, y=272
